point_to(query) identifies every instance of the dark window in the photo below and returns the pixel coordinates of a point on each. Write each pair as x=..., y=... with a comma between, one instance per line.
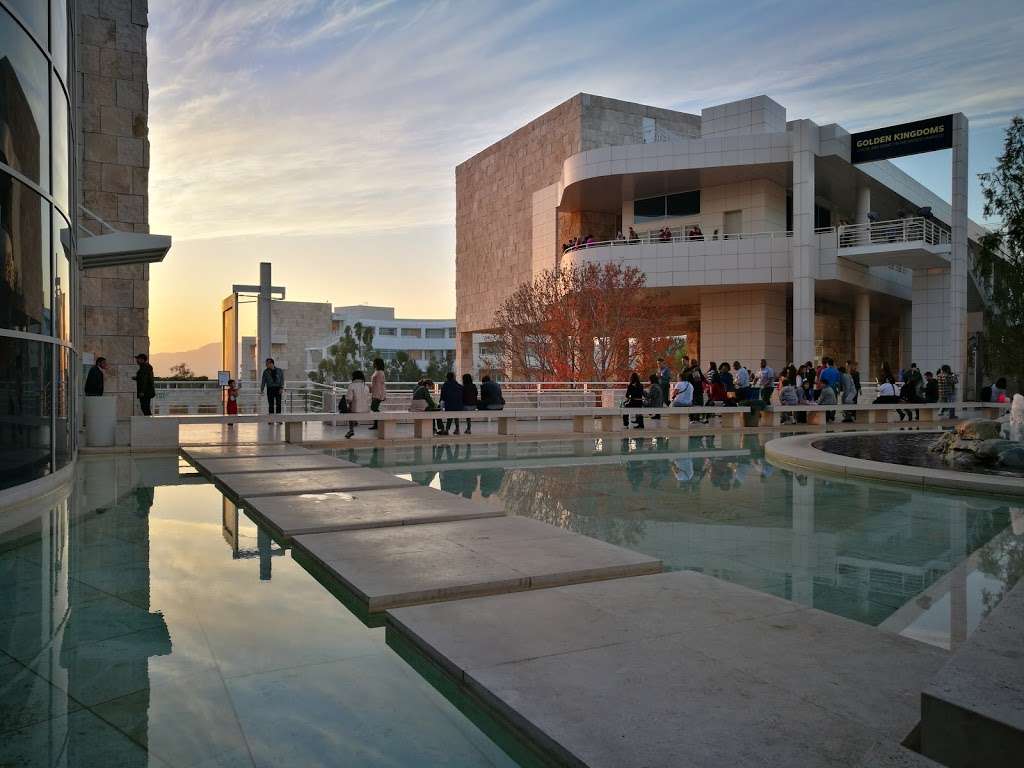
x=650, y=208
x=789, y=213
x=24, y=258
x=26, y=378
x=683, y=203
x=822, y=217
x=24, y=102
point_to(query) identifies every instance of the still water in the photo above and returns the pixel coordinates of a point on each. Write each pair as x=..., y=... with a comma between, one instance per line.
x=924, y=564
x=146, y=622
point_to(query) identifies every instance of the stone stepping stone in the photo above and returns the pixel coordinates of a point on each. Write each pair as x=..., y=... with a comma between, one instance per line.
x=289, y=483
x=242, y=451
x=289, y=516
x=219, y=466
x=387, y=567
x=675, y=669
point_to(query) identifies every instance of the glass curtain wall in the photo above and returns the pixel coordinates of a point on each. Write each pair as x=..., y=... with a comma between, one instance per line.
x=39, y=365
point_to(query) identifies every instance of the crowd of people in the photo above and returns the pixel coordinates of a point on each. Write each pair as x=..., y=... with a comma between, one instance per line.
x=453, y=396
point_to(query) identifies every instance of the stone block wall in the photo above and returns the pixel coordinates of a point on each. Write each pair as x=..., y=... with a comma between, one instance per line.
x=113, y=152
x=755, y=115
x=744, y=325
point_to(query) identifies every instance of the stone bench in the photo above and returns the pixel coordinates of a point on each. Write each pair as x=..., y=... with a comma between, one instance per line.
x=878, y=413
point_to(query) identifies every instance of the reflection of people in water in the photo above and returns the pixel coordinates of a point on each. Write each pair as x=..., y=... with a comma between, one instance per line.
x=490, y=481
x=143, y=501
x=425, y=477
x=635, y=474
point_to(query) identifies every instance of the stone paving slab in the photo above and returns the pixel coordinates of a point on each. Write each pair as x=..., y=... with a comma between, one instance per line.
x=196, y=452
x=677, y=669
x=287, y=483
x=972, y=713
x=290, y=516
x=270, y=463
x=387, y=567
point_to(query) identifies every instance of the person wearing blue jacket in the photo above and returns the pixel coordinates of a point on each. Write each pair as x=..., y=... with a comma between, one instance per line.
x=451, y=400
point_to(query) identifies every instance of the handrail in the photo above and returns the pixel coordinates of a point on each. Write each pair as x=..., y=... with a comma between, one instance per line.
x=909, y=230
x=655, y=238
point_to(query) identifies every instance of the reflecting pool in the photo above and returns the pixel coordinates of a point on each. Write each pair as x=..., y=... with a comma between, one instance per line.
x=925, y=564
x=145, y=621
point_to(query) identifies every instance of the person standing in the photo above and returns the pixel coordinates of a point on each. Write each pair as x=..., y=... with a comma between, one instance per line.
x=470, y=399
x=947, y=390
x=665, y=378
x=854, y=371
x=451, y=400
x=358, y=395
x=145, y=387
x=273, y=384
x=94, y=378
x=232, y=403
x=849, y=393
x=765, y=380
x=931, y=388
x=377, y=387
x=742, y=376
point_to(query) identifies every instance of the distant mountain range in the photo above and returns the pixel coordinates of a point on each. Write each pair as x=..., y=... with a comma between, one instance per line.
x=204, y=361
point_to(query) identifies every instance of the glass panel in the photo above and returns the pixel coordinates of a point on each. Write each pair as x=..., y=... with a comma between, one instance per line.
x=24, y=258
x=63, y=290
x=650, y=208
x=64, y=408
x=59, y=35
x=61, y=153
x=683, y=203
x=435, y=333
x=24, y=102
x=33, y=13
x=26, y=375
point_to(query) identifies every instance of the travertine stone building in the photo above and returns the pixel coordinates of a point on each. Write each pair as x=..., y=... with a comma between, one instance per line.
x=780, y=247
x=113, y=144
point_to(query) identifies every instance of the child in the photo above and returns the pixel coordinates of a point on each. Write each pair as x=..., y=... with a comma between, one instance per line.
x=232, y=406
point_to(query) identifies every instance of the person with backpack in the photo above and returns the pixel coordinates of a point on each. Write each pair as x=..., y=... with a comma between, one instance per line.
x=422, y=400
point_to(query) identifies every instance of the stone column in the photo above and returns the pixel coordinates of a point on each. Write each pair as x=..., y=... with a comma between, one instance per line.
x=958, y=264
x=464, y=361
x=863, y=203
x=862, y=332
x=805, y=248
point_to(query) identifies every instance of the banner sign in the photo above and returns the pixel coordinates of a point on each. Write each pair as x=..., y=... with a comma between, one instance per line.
x=899, y=140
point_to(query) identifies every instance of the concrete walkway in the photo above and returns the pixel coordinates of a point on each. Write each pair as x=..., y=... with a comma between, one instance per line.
x=677, y=669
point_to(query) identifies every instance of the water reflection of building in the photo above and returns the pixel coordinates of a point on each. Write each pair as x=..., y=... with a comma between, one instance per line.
x=863, y=551
x=265, y=548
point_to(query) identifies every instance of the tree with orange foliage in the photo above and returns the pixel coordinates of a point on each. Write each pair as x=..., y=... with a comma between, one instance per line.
x=585, y=322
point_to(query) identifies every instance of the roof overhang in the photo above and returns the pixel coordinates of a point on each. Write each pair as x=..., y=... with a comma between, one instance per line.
x=121, y=249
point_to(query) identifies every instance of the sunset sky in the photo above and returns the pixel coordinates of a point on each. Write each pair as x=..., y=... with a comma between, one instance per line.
x=323, y=135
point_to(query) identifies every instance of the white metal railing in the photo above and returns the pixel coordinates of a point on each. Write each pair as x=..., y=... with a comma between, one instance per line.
x=657, y=134
x=677, y=235
x=910, y=230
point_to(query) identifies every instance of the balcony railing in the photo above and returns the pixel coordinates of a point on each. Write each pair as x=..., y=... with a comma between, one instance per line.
x=678, y=235
x=912, y=230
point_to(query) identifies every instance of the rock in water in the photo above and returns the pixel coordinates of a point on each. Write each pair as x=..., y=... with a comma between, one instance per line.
x=989, y=450
x=1012, y=458
x=978, y=429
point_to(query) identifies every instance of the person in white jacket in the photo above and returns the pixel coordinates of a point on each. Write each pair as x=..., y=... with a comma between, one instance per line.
x=358, y=399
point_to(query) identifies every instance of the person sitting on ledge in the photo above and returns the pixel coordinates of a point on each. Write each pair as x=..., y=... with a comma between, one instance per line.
x=490, y=395
x=423, y=401
x=682, y=393
x=655, y=397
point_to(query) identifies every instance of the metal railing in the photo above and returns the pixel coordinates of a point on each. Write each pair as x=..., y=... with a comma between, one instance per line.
x=678, y=235
x=910, y=230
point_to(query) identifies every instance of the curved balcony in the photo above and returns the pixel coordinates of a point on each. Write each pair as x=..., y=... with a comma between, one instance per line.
x=686, y=260
x=910, y=242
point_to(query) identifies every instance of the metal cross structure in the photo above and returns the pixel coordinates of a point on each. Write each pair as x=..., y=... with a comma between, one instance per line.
x=265, y=293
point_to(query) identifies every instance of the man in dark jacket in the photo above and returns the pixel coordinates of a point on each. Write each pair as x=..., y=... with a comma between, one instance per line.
x=273, y=383
x=94, y=379
x=451, y=399
x=145, y=388
x=491, y=398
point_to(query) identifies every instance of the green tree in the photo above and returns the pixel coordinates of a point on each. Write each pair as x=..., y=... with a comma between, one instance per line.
x=1000, y=262
x=354, y=351
x=402, y=368
x=438, y=368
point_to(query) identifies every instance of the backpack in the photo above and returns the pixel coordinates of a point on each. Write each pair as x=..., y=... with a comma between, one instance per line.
x=986, y=393
x=343, y=404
